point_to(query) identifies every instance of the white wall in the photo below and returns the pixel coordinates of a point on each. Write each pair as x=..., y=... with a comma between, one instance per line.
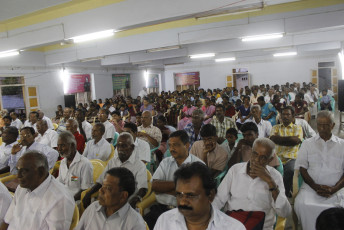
x=274, y=71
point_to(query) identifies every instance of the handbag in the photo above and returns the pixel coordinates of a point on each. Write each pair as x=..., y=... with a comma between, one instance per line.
x=252, y=220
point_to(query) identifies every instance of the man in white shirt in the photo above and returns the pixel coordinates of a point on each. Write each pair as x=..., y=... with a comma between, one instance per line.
x=67, y=112
x=26, y=143
x=109, y=128
x=85, y=128
x=76, y=171
x=321, y=164
x=195, y=190
x=141, y=147
x=143, y=93
x=15, y=121
x=112, y=210
x=264, y=127
x=45, y=135
x=5, y=201
x=98, y=147
x=40, y=202
x=162, y=180
x=255, y=186
x=33, y=118
x=41, y=116
x=126, y=158
x=9, y=138
x=148, y=132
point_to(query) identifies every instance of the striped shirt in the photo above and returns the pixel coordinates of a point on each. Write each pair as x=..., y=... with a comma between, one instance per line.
x=221, y=128
x=287, y=152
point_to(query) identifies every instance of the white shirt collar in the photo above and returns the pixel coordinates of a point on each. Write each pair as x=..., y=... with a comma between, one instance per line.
x=333, y=138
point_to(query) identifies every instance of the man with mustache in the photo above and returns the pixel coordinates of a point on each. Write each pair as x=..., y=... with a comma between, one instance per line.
x=163, y=184
x=112, y=210
x=126, y=157
x=195, y=190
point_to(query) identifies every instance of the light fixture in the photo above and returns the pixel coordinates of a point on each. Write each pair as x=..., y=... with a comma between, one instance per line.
x=163, y=49
x=261, y=37
x=341, y=58
x=202, y=55
x=285, y=54
x=93, y=36
x=9, y=53
x=225, y=59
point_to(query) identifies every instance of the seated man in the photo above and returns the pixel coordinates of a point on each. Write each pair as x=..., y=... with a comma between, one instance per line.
x=67, y=112
x=72, y=126
x=5, y=201
x=255, y=186
x=7, y=122
x=148, y=132
x=112, y=210
x=15, y=121
x=221, y=123
x=230, y=145
x=264, y=126
x=193, y=129
x=9, y=138
x=85, y=128
x=40, y=202
x=195, y=190
x=41, y=116
x=141, y=147
x=109, y=128
x=26, y=143
x=98, y=147
x=209, y=151
x=126, y=158
x=31, y=122
x=243, y=151
x=325, y=101
x=163, y=184
x=45, y=135
x=76, y=171
x=321, y=164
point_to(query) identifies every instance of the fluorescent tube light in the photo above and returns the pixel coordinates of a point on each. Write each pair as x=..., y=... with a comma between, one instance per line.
x=93, y=36
x=163, y=49
x=225, y=59
x=9, y=53
x=341, y=58
x=261, y=37
x=285, y=54
x=202, y=55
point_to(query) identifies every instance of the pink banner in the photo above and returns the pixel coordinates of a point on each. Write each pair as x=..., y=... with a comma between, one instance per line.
x=191, y=78
x=79, y=83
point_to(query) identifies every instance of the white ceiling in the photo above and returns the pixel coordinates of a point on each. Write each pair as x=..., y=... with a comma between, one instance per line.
x=14, y=8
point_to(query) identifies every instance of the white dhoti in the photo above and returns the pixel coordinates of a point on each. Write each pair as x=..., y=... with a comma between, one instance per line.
x=308, y=205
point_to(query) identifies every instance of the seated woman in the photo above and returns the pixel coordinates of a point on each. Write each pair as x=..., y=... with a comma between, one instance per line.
x=301, y=107
x=244, y=112
x=147, y=106
x=186, y=115
x=269, y=112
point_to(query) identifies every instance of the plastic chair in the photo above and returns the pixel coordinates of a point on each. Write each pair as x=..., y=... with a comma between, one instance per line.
x=114, y=142
x=75, y=219
x=55, y=168
x=0, y=140
x=151, y=166
x=112, y=154
x=220, y=177
x=149, y=191
x=297, y=182
x=280, y=222
x=98, y=169
x=8, y=178
x=55, y=126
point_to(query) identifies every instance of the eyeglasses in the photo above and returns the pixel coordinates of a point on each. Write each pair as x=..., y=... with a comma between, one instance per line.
x=189, y=196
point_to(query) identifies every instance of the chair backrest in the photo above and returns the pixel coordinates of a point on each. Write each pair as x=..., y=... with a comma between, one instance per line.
x=55, y=126
x=0, y=140
x=112, y=154
x=149, y=183
x=114, y=142
x=75, y=219
x=98, y=169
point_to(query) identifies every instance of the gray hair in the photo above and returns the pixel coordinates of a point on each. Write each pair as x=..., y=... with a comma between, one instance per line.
x=128, y=135
x=198, y=112
x=266, y=142
x=256, y=107
x=327, y=114
x=68, y=137
x=39, y=158
x=73, y=122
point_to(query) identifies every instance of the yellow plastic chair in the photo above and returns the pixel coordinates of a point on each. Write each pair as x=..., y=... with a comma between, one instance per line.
x=147, y=228
x=55, y=126
x=98, y=169
x=8, y=178
x=56, y=167
x=100, y=161
x=75, y=219
x=4, y=174
x=112, y=154
x=149, y=198
x=0, y=140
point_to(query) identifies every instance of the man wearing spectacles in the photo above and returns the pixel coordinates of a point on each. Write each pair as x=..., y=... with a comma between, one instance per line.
x=255, y=186
x=195, y=190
